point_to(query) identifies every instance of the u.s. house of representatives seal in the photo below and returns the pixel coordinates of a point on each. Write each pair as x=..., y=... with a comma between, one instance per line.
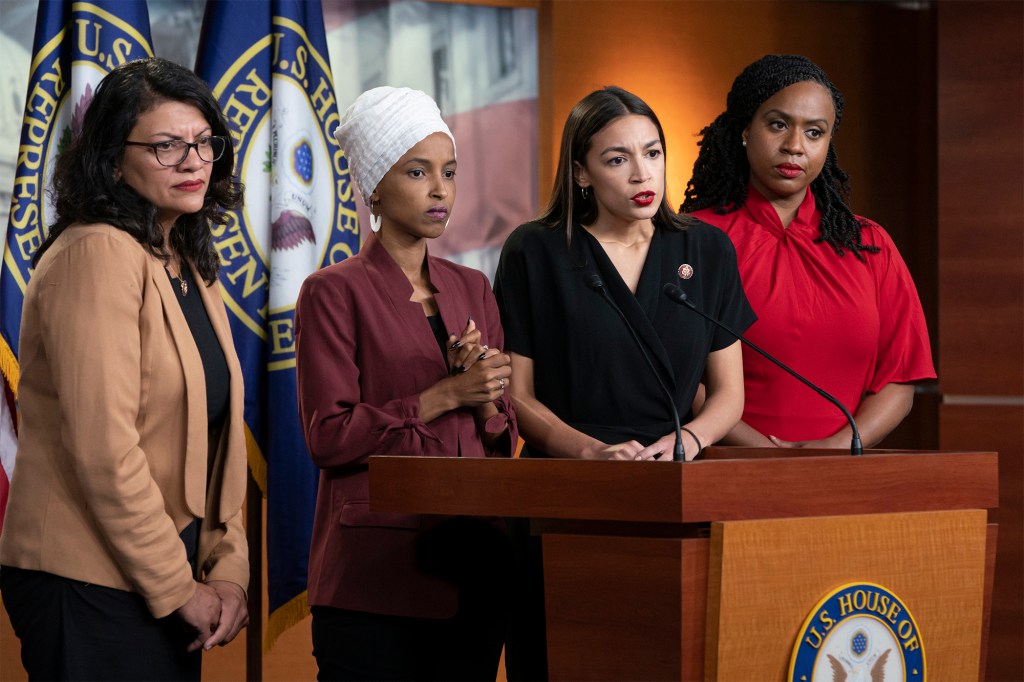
x=860, y=632
x=299, y=212
x=65, y=73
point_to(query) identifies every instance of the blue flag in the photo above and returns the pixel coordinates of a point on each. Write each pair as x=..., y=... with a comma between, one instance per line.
x=76, y=44
x=268, y=66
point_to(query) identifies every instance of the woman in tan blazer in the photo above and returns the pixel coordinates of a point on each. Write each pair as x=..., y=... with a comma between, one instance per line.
x=123, y=552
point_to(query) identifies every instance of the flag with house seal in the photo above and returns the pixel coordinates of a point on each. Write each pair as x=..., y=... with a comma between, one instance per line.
x=75, y=45
x=268, y=66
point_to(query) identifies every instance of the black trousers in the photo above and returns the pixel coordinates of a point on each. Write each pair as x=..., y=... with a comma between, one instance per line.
x=353, y=645
x=70, y=630
x=475, y=556
x=526, y=654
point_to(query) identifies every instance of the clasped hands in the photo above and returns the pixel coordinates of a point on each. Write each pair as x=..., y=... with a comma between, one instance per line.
x=480, y=374
x=217, y=611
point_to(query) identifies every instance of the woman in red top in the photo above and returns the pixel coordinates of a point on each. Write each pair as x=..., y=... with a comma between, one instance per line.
x=833, y=297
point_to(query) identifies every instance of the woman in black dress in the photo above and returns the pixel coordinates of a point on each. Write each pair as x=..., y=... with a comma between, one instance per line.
x=581, y=384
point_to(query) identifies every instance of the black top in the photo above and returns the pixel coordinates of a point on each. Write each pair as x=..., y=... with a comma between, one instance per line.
x=587, y=368
x=437, y=326
x=215, y=366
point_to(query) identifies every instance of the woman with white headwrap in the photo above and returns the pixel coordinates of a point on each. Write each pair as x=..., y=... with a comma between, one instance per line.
x=398, y=353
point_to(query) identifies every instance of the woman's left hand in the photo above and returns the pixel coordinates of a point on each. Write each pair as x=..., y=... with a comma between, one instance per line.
x=234, y=612
x=878, y=414
x=663, y=448
x=465, y=349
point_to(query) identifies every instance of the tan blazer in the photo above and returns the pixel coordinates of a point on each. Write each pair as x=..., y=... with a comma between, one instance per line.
x=113, y=446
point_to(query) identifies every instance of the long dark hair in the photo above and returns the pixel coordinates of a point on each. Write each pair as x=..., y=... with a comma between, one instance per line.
x=568, y=205
x=84, y=186
x=721, y=172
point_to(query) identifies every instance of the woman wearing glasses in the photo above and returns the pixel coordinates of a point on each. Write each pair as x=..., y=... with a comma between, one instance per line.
x=123, y=552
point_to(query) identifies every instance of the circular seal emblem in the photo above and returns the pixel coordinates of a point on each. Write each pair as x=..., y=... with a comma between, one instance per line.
x=299, y=213
x=65, y=73
x=685, y=271
x=860, y=631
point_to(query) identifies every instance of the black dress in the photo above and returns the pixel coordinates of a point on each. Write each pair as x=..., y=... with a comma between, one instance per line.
x=587, y=367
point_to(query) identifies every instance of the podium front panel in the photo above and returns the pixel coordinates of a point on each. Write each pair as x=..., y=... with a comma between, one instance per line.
x=766, y=577
x=625, y=608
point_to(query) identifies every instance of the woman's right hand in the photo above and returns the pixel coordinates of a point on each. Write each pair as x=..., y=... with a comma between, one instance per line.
x=234, y=612
x=483, y=382
x=619, y=451
x=202, y=613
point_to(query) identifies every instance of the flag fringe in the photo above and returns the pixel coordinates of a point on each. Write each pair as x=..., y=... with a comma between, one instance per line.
x=284, y=617
x=257, y=462
x=9, y=366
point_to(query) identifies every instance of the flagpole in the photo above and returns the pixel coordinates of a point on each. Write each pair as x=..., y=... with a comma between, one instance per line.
x=254, y=536
x=268, y=65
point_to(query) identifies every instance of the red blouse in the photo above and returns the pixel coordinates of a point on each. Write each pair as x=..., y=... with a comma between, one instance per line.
x=849, y=325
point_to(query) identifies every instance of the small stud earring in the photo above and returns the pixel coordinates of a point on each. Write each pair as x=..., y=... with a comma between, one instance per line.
x=744, y=143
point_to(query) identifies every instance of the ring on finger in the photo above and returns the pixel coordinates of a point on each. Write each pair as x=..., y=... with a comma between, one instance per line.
x=485, y=347
x=501, y=382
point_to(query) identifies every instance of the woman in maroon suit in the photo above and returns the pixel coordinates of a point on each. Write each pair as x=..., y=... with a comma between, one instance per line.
x=398, y=354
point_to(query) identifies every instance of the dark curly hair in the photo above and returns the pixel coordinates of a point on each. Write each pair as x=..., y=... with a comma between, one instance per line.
x=721, y=172
x=84, y=186
x=568, y=206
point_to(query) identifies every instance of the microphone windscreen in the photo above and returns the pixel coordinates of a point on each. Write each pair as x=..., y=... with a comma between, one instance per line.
x=674, y=293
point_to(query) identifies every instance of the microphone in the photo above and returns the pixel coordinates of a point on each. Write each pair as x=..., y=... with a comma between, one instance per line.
x=593, y=280
x=677, y=295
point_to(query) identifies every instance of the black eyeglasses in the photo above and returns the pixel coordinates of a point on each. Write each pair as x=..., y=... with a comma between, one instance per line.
x=174, y=152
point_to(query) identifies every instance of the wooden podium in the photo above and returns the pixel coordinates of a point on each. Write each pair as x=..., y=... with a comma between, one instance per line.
x=707, y=570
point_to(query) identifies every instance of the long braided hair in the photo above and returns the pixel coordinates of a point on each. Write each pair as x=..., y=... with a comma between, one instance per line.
x=721, y=172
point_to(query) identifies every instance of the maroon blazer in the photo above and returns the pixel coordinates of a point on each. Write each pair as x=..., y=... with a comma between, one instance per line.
x=364, y=353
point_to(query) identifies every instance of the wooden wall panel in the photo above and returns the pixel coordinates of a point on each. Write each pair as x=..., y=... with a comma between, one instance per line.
x=10, y=652
x=999, y=428
x=981, y=198
x=981, y=276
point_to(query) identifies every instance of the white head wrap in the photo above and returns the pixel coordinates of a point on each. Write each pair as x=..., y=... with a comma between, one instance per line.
x=381, y=126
